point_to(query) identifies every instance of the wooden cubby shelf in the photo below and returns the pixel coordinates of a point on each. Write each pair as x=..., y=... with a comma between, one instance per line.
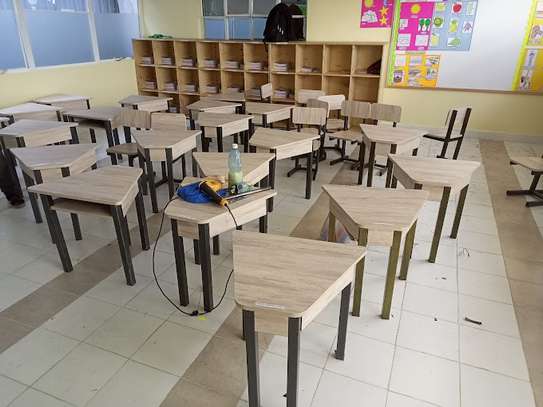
x=186, y=69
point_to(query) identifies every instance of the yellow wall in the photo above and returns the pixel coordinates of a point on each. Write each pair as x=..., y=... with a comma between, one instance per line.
x=493, y=112
x=178, y=18
x=106, y=82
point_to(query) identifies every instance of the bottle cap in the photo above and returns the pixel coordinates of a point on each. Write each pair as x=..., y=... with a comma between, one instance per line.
x=234, y=146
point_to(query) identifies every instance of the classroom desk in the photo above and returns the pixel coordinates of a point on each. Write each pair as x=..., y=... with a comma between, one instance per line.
x=535, y=166
x=46, y=163
x=210, y=105
x=281, y=284
x=164, y=146
x=108, y=118
x=384, y=140
x=443, y=179
x=147, y=103
x=202, y=222
x=236, y=97
x=270, y=112
x=67, y=102
x=380, y=217
x=34, y=133
x=225, y=125
x=105, y=192
x=35, y=111
x=287, y=144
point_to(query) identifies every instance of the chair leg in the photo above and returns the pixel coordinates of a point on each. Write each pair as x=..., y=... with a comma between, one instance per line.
x=444, y=149
x=457, y=149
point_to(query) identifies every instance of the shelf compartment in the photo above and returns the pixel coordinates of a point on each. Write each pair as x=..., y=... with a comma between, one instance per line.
x=255, y=52
x=145, y=75
x=231, y=51
x=166, y=80
x=231, y=79
x=304, y=81
x=255, y=81
x=185, y=50
x=337, y=59
x=163, y=53
x=187, y=77
x=364, y=56
x=337, y=85
x=174, y=105
x=364, y=89
x=208, y=50
x=283, y=82
x=209, y=78
x=185, y=100
x=143, y=49
x=283, y=54
x=309, y=56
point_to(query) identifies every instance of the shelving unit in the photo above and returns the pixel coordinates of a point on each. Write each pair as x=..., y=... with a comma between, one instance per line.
x=336, y=68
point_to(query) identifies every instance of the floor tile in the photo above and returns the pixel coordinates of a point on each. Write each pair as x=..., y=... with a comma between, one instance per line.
x=208, y=323
x=9, y=390
x=14, y=255
x=125, y=332
x=40, y=270
x=484, y=286
x=80, y=375
x=426, y=335
x=273, y=382
x=373, y=289
x=185, y=393
x=114, y=289
x=79, y=319
x=134, y=385
x=371, y=324
x=377, y=356
x=32, y=397
x=436, y=303
x=494, y=316
x=482, y=262
x=481, y=388
x=342, y=391
x=479, y=241
x=150, y=300
x=432, y=275
x=426, y=378
x=399, y=400
x=446, y=255
x=143, y=262
x=34, y=355
x=317, y=343
x=163, y=349
x=11, y=332
x=480, y=348
x=13, y=288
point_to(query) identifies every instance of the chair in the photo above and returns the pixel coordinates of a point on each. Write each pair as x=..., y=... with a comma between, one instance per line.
x=266, y=92
x=335, y=102
x=303, y=95
x=456, y=124
x=315, y=119
x=388, y=113
x=535, y=165
x=129, y=118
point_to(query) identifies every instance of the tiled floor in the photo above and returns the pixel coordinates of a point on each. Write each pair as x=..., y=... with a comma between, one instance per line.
x=127, y=346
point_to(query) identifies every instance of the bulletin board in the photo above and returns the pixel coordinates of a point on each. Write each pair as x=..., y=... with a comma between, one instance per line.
x=467, y=45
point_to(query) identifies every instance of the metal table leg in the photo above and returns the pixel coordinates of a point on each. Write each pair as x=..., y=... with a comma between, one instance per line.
x=359, y=277
x=408, y=251
x=439, y=224
x=58, y=238
x=371, y=164
x=293, y=360
x=253, y=361
x=343, y=319
x=205, y=265
x=393, y=256
x=122, y=238
x=459, y=210
x=180, y=267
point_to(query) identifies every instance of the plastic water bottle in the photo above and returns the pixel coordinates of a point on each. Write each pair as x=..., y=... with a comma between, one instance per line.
x=235, y=175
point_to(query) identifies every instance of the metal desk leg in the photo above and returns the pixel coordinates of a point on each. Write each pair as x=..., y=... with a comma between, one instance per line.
x=263, y=224
x=124, y=246
x=141, y=162
x=342, y=327
x=393, y=256
x=205, y=144
x=439, y=224
x=33, y=198
x=407, y=251
x=151, y=180
x=371, y=164
x=389, y=166
x=271, y=180
x=216, y=245
x=361, y=159
x=194, y=164
x=75, y=136
x=331, y=227
x=180, y=268
x=58, y=238
x=293, y=360
x=75, y=219
x=459, y=210
x=142, y=221
x=253, y=360
x=219, y=140
x=192, y=123
x=169, y=174
x=309, y=175
x=359, y=277
x=205, y=265
x=196, y=247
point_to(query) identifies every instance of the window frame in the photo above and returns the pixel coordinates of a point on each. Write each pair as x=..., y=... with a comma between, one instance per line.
x=26, y=46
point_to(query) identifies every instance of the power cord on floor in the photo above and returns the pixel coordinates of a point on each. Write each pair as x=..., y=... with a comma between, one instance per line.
x=194, y=313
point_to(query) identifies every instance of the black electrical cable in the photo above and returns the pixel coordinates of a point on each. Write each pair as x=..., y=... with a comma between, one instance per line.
x=194, y=313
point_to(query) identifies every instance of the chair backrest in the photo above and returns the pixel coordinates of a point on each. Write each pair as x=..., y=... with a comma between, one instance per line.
x=135, y=118
x=266, y=91
x=335, y=102
x=303, y=95
x=319, y=103
x=387, y=113
x=457, y=120
x=310, y=116
x=356, y=109
x=168, y=121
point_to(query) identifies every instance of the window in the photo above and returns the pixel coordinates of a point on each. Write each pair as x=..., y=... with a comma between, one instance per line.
x=37, y=33
x=236, y=19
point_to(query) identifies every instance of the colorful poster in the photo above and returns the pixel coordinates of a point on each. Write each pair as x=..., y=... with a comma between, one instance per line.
x=415, y=26
x=416, y=70
x=535, y=37
x=529, y=76
x=377, y=13
x=453, y=23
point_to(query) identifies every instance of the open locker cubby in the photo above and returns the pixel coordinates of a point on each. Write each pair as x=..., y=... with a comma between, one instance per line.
x=231, y=79
x=208, y=50
x=187, y=100
x=209, y=78
x=163, y=53
x=337, y=85
x=166, y=80
x=146, y=76
x=255, y=80
x=283, y=54
x=185, y=50
x=143, y=49
x=337, y=59
x=309, y=56
x=283, y=82
x=364, y=89
x=255, y=52
x=304, y=81
x=186, y=77
x=231, y=51
x=363, y=57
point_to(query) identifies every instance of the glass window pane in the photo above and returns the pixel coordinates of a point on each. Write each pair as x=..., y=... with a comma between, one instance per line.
x=116, y=24
x=258, y=28
x=263, y=6
x=48, y=31
x=240, y=28
x=214, y=28
x=57, y=5
x=238, y=6
x=11, y=55
x=213, y=8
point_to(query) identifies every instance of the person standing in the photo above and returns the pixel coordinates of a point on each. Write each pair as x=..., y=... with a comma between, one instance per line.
x=8, y=184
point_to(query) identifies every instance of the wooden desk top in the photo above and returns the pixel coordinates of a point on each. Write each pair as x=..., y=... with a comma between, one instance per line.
x=265, y=108
x=375, y=209
x=52, y=157
x=106, y=113
x=389, y=134
x=29, y=127
x=254, y=165
x=136, y=100
x=28, y=108
x=162, y=139
x=282, y=277
x=433, y=172
x=205, y=104
x=113, y=185
x=208, y=119
x=236, y=97
x=274, y=139
x=60, y=98
x=531, y=163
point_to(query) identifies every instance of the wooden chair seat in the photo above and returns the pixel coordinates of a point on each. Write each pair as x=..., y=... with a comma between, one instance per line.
x=441, y=135
x=534, y=164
